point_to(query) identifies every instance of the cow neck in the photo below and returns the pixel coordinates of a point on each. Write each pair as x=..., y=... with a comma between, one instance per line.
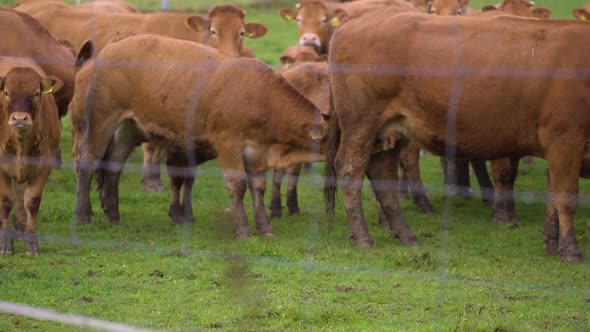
x=292, y=115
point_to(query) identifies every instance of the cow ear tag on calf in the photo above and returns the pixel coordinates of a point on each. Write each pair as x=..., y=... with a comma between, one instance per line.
x=335, y=21
x=51, y=84
x=581, y=14
x=255, y=30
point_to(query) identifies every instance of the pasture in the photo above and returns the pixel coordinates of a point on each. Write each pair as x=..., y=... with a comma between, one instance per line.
x=469, y=274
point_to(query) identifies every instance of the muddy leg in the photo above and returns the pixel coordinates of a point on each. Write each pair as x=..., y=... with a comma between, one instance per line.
x=181, y=177
x=410, y=162
x=187, y=191
x=83, y=209
x=257, y=185
x=551, y=227
x=151, y=168
x=7, y=231
x=483, y=178
x=276, y=206
x=456, y=177
x=380, y=172
x=32, y=203
x=292, y=179
x=504, y=174
x=564, y=182
x=21, y=213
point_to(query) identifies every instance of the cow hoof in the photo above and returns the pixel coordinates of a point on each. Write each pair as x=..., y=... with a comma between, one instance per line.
x=403, y=195
x=31, y=244
x=153, y=186
x=551, y=247
x=276, y=214
x=6, y=242
x=269, y=234
x=293, y=210
x=242, y=236
x=424, y=206
x=572, y=259
x=366, y=243
x=410, y=242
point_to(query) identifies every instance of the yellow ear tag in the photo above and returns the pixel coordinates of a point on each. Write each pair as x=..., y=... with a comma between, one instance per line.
x=289, y=17
x=48, y=91
x=584, y=17
x=335, y=21
x=250, y=34
x=286, y=66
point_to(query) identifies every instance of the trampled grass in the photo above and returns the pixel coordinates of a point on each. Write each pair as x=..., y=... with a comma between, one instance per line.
x=469, y=274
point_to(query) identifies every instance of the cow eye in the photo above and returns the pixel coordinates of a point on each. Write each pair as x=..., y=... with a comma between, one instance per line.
x=298, y=19
x=242, y=33
x=37, y=94
x=324, y=19
x=213, y=32
x=5, y=93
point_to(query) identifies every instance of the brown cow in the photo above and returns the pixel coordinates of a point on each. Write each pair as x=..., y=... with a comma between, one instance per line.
x=203, y=103
x=295, y=55
x=311, y=79
x=53, y=57
x=30, y=138
x=411, y=88
x=316, y=21
x=582, y=13
x=224, y=28
x=522, y=8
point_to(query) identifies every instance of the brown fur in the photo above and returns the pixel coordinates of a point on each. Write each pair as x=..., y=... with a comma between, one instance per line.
x=548, y=111
x=41, y=46
x=27, y=154
x=245, y=114
x=448, y=7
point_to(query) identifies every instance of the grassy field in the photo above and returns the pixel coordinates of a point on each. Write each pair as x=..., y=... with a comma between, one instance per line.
x=469, y=274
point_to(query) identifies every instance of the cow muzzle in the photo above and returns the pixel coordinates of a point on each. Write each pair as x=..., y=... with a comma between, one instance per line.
x=310, y=39
x=20, y=121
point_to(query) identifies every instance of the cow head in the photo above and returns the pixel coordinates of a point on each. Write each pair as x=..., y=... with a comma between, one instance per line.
x=314, y=22
x=226, y=29
x=522, y=8
x=447, y=7
x=294, y=55
x=22, y=92
x=582, y=14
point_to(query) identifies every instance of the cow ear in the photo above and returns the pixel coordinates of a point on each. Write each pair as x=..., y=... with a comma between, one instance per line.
x=488, y=8
x=581, y=14
x=84, y=53
x=50, y=84
x=288, y=14
x=338, y=16
x=255, y=30
x=198, y=23
x=541, y=12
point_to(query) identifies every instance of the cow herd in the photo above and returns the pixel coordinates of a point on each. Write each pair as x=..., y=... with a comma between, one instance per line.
x=368, y=85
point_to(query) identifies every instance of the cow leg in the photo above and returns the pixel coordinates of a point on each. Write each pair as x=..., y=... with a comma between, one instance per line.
x=403, y=188
x=235, y=179
x=564, y=187
x=7, y=230
x=380, y=172
x=32, y=203
x=504, y=174
x=257, y=185
x=276, y=206
x=83, y=209
x=456, y=178
x=108, y=178
x=551, y=227
x=483, y=178
x=181, y=177
x=293, y=173
x=410, y=163
x=21, y=213
x=151, y=168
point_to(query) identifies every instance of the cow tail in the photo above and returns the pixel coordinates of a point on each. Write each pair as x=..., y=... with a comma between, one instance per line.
x=330, y=176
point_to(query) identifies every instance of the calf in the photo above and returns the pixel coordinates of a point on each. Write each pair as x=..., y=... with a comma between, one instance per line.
x=412, y=87
x=295, y=55
x=203, y=104
x=29, y=139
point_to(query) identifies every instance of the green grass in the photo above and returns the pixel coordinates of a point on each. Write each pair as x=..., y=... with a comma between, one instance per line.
x=469, y=274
